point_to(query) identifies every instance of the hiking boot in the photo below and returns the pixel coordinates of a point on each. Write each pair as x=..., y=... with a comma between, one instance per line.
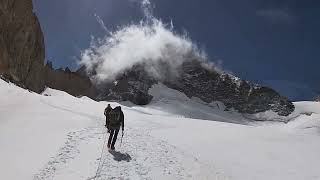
x=108, y=146
x=112, y=148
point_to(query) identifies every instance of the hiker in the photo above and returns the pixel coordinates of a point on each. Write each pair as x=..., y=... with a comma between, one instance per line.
x=116, y=119
x=106, y=113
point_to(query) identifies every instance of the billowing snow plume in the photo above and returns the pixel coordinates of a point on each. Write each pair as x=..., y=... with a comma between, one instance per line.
x=150, y=42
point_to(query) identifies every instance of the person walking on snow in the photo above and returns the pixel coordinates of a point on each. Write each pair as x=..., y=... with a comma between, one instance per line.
x=116, y=119
x=106, y=113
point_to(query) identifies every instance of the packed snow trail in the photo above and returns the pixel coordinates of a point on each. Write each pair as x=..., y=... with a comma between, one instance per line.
x=145, y=157
x=141, y=155
x=66, y=153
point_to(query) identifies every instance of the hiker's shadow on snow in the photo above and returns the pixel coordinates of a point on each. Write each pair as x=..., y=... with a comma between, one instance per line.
x=118, y=156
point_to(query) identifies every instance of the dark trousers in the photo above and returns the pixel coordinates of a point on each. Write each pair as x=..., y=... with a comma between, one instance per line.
x=113, y=137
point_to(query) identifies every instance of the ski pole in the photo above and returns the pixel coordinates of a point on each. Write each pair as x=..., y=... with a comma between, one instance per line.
x=121, y=139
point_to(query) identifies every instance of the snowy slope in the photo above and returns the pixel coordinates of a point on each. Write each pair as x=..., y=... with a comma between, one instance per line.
x=57, y=136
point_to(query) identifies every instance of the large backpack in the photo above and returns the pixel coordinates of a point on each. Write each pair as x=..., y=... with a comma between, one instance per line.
x=114, y=118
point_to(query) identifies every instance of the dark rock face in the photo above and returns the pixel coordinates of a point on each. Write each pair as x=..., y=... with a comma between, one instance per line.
x=22, y=53
x=131, y=86
x=71, y=82
x=21, y=44
x=209, y=86
x=194, y=80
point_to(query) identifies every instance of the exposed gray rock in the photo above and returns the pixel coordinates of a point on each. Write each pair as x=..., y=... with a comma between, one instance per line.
x=209, y=86
x=131, y=86
x=68, y=81
x=194, y=80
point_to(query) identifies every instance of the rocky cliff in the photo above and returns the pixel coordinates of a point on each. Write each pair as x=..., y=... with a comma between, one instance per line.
x=195, y=80
x=22, y=49
x=22, y=53
x=132, y=86
x=209, y=86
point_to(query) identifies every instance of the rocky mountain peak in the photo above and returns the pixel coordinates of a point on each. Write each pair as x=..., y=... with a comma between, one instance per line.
x=195, y=79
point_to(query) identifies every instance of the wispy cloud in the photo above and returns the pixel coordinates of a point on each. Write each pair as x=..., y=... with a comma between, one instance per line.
x=277, y=16
x=151, y=43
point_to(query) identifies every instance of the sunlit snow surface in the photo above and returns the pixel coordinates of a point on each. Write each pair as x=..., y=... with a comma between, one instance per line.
x=57, y=136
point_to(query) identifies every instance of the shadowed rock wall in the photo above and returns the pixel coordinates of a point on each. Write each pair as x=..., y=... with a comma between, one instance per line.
x=22, y=49
x=22, y=53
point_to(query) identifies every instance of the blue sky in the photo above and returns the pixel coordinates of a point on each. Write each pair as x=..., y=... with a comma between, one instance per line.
x=257, y=40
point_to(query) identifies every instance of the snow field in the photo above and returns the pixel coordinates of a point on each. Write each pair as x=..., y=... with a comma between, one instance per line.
x=57, y=136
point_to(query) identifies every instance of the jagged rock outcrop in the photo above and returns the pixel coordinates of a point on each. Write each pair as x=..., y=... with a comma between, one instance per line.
x=195, y=80
x=74, y=83
x=22, y=49
x=131, y=86
x=209, y=86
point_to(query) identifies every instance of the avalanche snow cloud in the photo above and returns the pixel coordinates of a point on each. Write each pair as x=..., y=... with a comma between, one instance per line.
x=150, y=42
